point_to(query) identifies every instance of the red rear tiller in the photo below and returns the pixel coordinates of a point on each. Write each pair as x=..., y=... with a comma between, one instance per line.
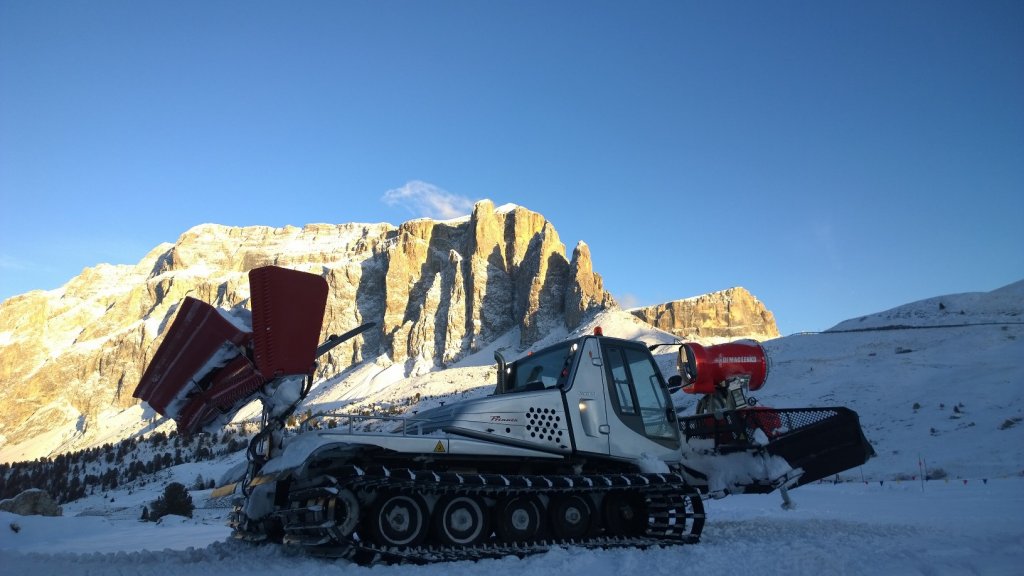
x=207, y=367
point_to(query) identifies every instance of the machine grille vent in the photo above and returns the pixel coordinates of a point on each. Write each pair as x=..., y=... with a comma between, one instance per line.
x=545, y=424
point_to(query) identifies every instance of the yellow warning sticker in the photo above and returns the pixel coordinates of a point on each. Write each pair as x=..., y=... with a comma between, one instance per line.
x=439, y=447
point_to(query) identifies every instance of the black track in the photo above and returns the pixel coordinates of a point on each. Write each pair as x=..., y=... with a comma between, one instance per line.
x=316, y=517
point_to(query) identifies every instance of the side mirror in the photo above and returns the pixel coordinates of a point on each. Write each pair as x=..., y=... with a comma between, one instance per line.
x=675, y=383
x=500, y=388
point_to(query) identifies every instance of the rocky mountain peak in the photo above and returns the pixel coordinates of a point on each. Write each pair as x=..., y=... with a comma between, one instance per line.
x=723, y=315
x=586, y=292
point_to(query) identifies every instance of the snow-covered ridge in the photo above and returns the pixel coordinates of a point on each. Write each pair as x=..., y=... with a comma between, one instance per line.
x=1000, y=305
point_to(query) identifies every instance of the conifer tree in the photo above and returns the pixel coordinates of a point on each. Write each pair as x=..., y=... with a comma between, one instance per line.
x=176, y=500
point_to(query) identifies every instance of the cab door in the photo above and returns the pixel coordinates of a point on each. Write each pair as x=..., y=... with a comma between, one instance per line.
x=641, y=419
x=587, y=401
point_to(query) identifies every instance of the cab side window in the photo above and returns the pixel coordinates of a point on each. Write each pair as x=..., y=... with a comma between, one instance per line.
x=650, y=395
x=620, y=381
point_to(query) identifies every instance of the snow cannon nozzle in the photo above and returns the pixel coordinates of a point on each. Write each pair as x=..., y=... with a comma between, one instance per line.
x=705, y=367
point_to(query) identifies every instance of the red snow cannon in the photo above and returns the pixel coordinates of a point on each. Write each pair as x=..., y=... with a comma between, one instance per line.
x=703, y=367
x=207, y=367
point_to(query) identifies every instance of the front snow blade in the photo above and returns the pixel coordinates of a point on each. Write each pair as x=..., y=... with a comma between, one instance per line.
x=820, y=441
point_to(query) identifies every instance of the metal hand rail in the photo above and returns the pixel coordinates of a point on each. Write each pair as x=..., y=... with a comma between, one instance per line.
x=349, y=421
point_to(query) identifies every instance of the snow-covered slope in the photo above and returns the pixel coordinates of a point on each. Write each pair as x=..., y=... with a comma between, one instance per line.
x=1003, y=305
x=940, y=383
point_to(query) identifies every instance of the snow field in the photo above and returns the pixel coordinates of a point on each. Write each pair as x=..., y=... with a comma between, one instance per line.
x=849, y=528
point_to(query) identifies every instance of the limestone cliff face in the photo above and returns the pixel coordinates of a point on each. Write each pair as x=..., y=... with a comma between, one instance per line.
x=451, y=287
x=437, y=291
x=585, y=293
x=729, y=314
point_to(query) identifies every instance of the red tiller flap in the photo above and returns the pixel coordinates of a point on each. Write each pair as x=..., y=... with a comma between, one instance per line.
x=199, y=341
x=287, y=316
x=230, y=388
x=194, y=416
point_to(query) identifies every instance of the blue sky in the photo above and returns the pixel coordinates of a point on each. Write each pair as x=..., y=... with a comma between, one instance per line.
x=835, y=158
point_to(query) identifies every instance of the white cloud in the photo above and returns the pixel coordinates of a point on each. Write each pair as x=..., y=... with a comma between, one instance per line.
x=425, y=199
x=627, y=301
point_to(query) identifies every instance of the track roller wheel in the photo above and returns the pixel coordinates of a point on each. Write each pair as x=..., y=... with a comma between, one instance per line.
x=398, y=520
x=571, y=517
x=691, y=508
x=625, y=514
x=518, y=519
x=343, y=510
x=461, y=520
